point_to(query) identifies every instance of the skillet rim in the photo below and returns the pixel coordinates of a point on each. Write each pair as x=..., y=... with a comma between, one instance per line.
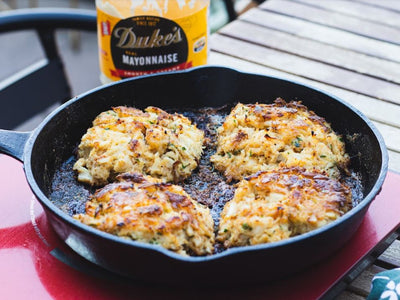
x=48, y=205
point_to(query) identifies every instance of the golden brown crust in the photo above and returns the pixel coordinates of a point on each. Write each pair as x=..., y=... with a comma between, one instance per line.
x=274, y=205
x=145, y=209
x=258, y=137
x=152, y=142
x=291, y=156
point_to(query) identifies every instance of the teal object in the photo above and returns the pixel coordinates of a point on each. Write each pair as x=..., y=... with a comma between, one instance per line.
x=218, y=15
x=386, y=285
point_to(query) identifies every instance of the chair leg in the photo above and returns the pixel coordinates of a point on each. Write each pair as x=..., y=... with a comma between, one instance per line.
x=33, y=3
x=74, y=36
x=13, y=4
x=250, y=5
x=230, y=8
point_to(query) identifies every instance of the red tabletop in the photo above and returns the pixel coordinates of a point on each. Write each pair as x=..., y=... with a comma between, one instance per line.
x=30, y=269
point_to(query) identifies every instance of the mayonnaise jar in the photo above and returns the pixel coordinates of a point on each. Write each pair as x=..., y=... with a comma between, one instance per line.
x=139, y=37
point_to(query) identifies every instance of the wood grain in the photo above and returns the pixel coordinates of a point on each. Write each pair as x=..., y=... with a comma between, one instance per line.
x=323, y=34
x=391, y=135
x=307, y=68
x=362, y=284
x=389, y=5
x=377, y=13
x=312, y=13
x=347, y=295
x=314, y=50
x=392, y=254
x=394, y=161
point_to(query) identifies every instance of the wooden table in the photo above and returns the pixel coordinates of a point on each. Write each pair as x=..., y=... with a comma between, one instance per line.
x=347, y=48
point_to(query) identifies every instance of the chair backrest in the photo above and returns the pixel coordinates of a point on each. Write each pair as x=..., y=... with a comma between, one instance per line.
x=44, y=83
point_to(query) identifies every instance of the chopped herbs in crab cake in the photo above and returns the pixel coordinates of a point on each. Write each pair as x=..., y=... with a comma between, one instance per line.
x=280, y=171
x=259, y=137
x=145, y=209
x=152, y=142
x=274, y=205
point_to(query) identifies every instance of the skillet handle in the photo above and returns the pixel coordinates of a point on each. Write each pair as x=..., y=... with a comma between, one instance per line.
x=13, y=143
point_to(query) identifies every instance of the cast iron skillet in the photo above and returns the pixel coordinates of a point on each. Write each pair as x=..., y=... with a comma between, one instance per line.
x=52, y=142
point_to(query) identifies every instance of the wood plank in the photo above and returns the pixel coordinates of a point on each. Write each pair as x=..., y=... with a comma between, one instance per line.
x=362, y=284
x=388, y=4
x=323, y=34
x=374, y=109
x=308, y=69
x=360, y=10
x=314, y=50
x=391, y=136
x=392, y=254
x=335, y=20
x=347, y=295
x=394, y=161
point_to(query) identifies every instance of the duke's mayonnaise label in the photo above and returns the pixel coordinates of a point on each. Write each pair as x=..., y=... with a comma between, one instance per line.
x=138, y=37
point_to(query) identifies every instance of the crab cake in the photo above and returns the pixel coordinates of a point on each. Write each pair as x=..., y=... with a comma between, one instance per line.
x=261, y=137
x=126, y=139
x=145, y=209
x=274, y=205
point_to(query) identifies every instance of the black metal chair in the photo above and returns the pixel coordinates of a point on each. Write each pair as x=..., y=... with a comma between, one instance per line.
x=45, y=82
x=230, y=8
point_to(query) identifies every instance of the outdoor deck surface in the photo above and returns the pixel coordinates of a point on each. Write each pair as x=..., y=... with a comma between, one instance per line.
x=351, y=50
